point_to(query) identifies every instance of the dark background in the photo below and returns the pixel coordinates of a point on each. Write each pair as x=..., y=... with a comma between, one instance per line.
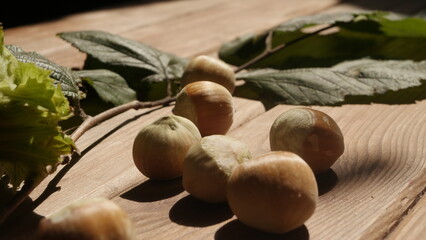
x=17, y=12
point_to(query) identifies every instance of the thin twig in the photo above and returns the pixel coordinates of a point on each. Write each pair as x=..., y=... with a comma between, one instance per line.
x=280, y=47
x=90, y=122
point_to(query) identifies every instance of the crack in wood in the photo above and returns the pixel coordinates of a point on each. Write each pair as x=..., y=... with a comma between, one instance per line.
x=401, y=218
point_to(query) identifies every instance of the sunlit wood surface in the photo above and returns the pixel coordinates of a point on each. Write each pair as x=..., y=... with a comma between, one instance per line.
x=374, y=191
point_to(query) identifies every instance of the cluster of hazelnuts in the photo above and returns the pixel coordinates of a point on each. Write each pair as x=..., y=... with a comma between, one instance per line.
x=275, y=192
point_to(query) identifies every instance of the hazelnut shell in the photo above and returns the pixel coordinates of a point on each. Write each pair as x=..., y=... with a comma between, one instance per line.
x=88, y=219
x=311, y=134
x=208, y=165
x=206, y=68
x=208, y=105
x=275, y=192
x=160, y=147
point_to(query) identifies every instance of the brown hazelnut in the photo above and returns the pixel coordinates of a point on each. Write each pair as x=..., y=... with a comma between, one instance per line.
x=275, y=192
x=311, y=134
x=208, y=105
x=206, y=68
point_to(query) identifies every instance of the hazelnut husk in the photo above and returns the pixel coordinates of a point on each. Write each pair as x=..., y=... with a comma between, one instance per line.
x=91, y=218
x=275, y=192
x=311, y=134
x=208, y=105
x=208, y=165
x=206, y=68
x=160, y=147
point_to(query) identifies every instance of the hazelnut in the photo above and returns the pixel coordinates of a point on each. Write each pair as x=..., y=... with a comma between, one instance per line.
x=206, y=68
x=208, y=105
x=88, y=219
x=208, y=165
x=311, y=134
x=160, y=147
x=275, y=192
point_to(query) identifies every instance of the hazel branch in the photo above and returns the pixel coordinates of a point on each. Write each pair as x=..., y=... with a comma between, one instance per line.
x=269, y=51
x=90, y=122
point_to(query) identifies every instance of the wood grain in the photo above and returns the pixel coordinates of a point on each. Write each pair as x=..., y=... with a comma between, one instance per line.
x=374, y=191
x=175, y=27
x=42, y=37
x=412, y=226
x=105, y=165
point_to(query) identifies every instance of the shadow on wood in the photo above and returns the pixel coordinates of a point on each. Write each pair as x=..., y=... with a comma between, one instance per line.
x=326, y=181
x=190, y=211
x=373, y=169
x=151, y=190
x=237, y=230
x=22, y=223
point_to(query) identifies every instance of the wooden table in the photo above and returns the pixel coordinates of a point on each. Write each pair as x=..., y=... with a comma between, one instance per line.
x=374, y=191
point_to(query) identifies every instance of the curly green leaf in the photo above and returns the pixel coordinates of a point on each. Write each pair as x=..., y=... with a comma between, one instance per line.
x=30, y=108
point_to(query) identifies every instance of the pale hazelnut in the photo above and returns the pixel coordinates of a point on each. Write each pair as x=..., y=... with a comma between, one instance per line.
x=88, y=219
x=160, y=147
x=208, y=165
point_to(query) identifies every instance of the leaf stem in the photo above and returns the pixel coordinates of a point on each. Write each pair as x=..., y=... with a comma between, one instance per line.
x=269, y=51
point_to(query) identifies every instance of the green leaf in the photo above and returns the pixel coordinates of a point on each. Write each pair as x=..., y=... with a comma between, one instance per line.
x=110, y=86
x=359, y=81
x=63, y=75
x=378, y=35
x=147, y=70
x=30, y=108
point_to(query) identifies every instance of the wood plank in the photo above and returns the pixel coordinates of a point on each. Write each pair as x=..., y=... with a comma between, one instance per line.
x=412, y=226
x=380, y=174
x=375, y=170
x=114, y=20
x=233, y=18
x=370, y=186
x=105, y=167
x=204, y=24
